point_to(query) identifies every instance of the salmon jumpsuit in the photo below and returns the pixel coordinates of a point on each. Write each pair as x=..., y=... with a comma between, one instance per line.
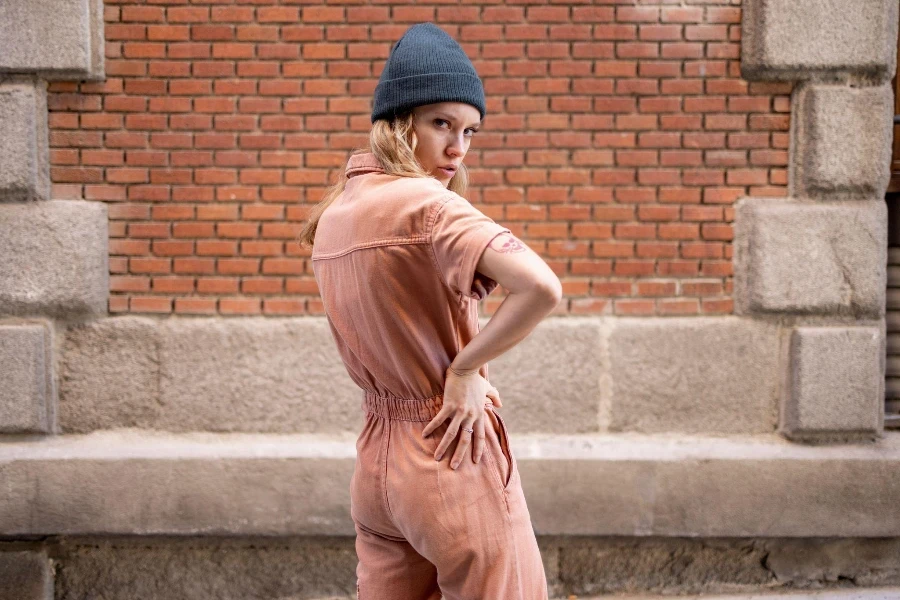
x=394, y=259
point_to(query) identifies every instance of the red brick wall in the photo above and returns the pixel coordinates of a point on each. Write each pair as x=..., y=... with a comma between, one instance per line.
x=617, y=139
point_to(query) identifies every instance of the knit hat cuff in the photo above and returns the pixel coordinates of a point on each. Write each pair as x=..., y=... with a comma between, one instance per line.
x=404, y=93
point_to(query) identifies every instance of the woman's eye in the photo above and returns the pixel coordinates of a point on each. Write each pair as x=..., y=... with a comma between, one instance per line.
x=470, y=131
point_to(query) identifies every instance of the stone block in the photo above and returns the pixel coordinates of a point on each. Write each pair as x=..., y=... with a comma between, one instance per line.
x=25, y=168
x=208, y=569
x=842, y=141
x=255, y=374
x=799, y=39
x=27, y=391
x=55, y=258
x=278, y=375
x=867, y=562
x=110, y=375
x=808, y=258
x=712, y=375
x=551, y=381
x=837, y=382
x=57, y=39
x=25, y=575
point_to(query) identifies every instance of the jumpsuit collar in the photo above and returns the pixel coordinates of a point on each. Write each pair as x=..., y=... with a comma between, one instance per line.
x=360, y=164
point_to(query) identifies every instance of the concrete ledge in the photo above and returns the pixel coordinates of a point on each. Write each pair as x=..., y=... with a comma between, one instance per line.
x=55, y=258
x=57, y=39
x=799, y=39
x=631, y=485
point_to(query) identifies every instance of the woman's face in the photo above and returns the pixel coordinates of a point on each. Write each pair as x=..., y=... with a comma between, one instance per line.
x=444, y=132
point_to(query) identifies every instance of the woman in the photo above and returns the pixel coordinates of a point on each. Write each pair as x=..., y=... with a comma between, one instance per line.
x=401, y=260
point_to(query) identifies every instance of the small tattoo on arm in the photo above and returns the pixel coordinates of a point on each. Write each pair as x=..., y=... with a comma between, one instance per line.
x=506, y=243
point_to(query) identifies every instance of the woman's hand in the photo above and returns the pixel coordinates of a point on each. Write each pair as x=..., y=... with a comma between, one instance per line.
x=464, y=404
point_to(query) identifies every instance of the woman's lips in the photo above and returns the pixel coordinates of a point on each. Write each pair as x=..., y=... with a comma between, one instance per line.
x=447, y=172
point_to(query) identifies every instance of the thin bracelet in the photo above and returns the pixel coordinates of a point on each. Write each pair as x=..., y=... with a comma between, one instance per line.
x=455, y=372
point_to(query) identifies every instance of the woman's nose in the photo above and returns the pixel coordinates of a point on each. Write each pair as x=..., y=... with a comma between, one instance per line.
x=455, y=148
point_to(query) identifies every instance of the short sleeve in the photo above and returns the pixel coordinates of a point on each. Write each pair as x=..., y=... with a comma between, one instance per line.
x=459, y=236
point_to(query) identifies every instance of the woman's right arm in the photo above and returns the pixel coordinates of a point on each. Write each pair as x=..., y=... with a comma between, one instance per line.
x=534, y=291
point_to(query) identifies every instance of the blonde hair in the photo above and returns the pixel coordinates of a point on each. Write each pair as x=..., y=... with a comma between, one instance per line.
x=394, y=144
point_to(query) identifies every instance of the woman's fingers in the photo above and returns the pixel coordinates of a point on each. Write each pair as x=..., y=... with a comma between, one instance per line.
x=436, y=421
x=494, y=395
x=478, y=442
x=465, y=440
x=449, y=436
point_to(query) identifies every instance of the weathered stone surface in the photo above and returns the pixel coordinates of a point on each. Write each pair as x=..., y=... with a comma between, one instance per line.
x=872, y=562
x=809, y=258
x=25, y=168
x=114, y=483
x=842, y=141
x=25, y=575
x=713, y=375
x=27, y=390
x=259, y=374
x=798, y=39
x=551, y=381
x=59, y=39
x=284, y=375
x=837, y=381
x=591, y=566
x=272, y=375
x=109, y=375
x=207, y=569
x=55, y=258
x=324, y=569
x=202, y=374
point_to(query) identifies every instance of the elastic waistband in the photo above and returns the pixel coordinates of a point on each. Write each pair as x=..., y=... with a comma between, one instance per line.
x=405, y=409
x=402, y=409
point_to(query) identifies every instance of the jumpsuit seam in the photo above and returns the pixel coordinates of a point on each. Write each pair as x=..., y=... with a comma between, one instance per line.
x=386, y=446
x=414, y=240
x=392, y=538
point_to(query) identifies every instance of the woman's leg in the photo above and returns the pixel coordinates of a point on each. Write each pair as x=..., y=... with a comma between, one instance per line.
x=390, y=569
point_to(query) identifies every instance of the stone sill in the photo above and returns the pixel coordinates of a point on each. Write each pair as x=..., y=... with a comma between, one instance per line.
x=133, y=482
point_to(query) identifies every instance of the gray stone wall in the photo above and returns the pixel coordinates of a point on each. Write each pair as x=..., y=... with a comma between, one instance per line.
x=816, y=262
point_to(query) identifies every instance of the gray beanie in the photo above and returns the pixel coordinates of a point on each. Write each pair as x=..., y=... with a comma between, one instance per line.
x=425, y=66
